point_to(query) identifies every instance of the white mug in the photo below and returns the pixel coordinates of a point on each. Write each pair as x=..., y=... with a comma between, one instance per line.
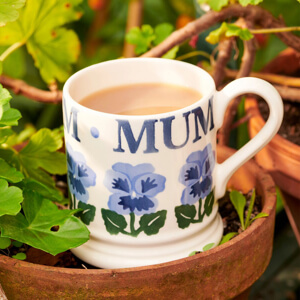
x=148, y=184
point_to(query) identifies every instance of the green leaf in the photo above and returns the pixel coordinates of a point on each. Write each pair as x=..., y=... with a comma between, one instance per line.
x=4, y=242
x=10, y=199
x=228, y=237
x=20, y=256
x=17, y=244
x=152, y=223
x=87, y=215
x=53, y=48
x=141, y=38
x=41, y=154
x=228, y=30
x=209, y=203
x=171, y=54
x=185, y=214
x=162, y=31
x=216, y=5
x=5, y=133
x=114, y=222
x=252, y=2
x=4, y=96
x=9, y=10
x=250, y=208
x=239, y=202
x=9, y=173
x=258, y=216
x=10, y=116
x=44, y=226
x=208, y=246
x=193, y=253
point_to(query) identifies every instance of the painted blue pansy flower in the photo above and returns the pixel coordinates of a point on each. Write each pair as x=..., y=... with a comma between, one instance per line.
x=133, y=188
x=80, y=175
x=196, y=175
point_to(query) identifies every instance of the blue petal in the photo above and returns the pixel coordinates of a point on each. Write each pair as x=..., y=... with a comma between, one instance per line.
x=190, y=173
x=76, y=188
x=208, y=164
x=132, y=171
x=140, y=204
x=86, y=175
x=200, y=156
x=149, y=184
x=113, y=204
x=206, y=185
x=188, y=197
x=117, y=182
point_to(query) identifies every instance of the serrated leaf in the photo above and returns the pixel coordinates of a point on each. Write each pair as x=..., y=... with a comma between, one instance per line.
x=228, y=30
x=4, y=96
x=10, y=116
x=252, y=2
x=185, y=214
x=152, y=223
x=9, y=10
x=9, y=173
x=162, y=31
x=44, y=226
x=41, y=152
x=141, y=38
x=53, y=48
x=239, y=202
x=10, y=199
x=113, y=222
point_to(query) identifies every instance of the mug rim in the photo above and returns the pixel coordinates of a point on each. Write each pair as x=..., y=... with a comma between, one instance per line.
x=76, y=75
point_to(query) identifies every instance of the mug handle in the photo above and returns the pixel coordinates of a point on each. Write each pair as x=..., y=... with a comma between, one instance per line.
x=236, y=88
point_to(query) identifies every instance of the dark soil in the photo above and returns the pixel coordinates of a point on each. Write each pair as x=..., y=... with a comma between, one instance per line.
x=290, y=127
x=68, y=260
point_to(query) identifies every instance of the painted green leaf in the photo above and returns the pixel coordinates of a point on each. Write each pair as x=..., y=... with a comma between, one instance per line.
x=228, y=237
x=152, y=223
x=10, y=199
x=141, y=38
x=114, y=222
x=87, y=214
x=252, y=2
x=208, y=246
x=209, y=203
x=44, y=226
x=9, y=173
x=239, y=202
x=41, y=154
x=53, y=48
x=185, y=214
x=9, y=10
x=216, y=5
x=162, y=31
x=4, y=242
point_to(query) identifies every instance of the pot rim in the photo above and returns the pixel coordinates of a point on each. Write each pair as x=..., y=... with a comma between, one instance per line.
x=257, y=121
x=269, y=207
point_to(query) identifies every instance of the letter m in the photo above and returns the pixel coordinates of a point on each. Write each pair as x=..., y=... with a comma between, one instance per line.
x=68, y=120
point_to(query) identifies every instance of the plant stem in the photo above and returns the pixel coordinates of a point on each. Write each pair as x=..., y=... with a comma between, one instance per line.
x=250, y=208
x=11, y=49
x=275, y=30
x=192, y=54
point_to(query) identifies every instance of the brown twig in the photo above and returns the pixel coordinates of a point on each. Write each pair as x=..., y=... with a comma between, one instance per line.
x=256, y=13
x=245, y=69
x=134, y=19
x=288, y=93
x=225, y=48
x=21, y=87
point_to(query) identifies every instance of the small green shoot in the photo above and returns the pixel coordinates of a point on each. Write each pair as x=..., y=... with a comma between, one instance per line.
x=20, y=256
x=228, y=237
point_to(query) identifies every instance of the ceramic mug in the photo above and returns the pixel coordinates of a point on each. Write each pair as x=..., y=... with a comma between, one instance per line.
x=148, y=184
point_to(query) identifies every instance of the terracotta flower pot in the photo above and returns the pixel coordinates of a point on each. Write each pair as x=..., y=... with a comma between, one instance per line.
x=220, y=273
x=280, y=157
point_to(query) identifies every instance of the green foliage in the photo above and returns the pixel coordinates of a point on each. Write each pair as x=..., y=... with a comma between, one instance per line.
x=227, y=30
x=20, y=256
x=9, y=10
x=4, y=242
x=146, y=37
x=217, y=5
x=39, y=26
x=27, y=188
x=44, y=226
x=228, y=237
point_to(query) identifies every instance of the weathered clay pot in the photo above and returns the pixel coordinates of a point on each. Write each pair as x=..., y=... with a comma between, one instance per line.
x=280, y=157
x=220, y=273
